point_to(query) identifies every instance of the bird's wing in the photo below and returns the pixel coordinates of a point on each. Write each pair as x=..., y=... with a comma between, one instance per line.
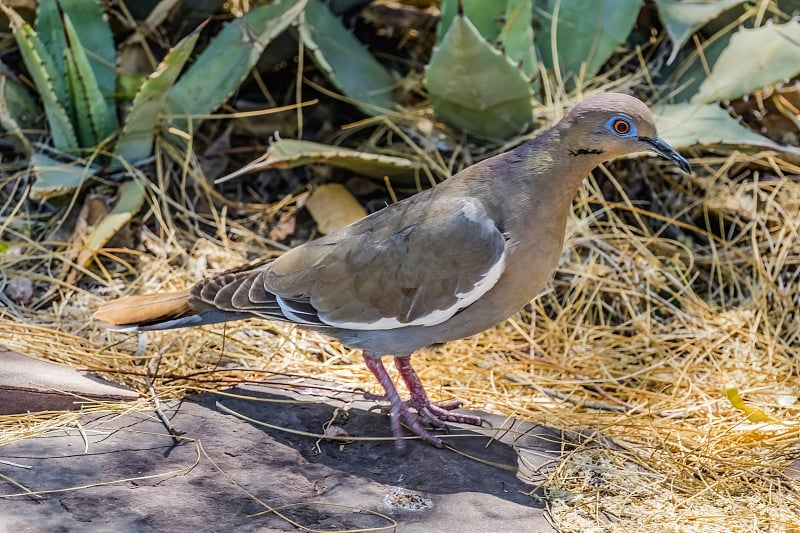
x=408, y=264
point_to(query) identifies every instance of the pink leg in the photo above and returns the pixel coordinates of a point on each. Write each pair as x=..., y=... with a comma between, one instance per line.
x=434, y=413
x=399, y=410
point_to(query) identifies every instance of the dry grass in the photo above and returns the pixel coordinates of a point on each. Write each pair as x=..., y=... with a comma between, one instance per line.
x=663, y=300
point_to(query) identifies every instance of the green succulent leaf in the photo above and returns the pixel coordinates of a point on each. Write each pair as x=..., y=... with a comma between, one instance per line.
x=343, y=6
x=96, y=38
x=50, y=31
x=41, y=67
x=90, y=25
x=80, y=104
x=476, y=88
x=92, y=116
x=227, y=60
x=682, y=18
x=485, y=15
x=346, y=61
x=692, y=72
x=516, y=37
x=586, y=33
x=685, y=125
x=790, y=7
x=128, y=85
x=740, y=71
x=23, y=107
x=55, y=178
x=136, y=139
x=18, y=110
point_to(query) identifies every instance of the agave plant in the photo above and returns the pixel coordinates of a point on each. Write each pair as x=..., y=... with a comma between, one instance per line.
x=487, y=65
x=71, y=56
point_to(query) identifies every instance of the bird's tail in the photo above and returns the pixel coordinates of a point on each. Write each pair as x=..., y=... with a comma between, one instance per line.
x=159, y=311
x=149, y=309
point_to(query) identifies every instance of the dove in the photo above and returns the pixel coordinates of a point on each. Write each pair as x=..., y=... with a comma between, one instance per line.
x=444, y=264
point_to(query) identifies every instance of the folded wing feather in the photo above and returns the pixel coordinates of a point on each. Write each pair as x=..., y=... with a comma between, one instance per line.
x=399, y=270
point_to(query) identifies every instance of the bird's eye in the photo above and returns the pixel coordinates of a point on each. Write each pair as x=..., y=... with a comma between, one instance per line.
x=621, y=126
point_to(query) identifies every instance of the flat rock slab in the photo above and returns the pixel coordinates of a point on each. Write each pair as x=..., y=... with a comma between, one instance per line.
x=33, y=385
x=125, y=473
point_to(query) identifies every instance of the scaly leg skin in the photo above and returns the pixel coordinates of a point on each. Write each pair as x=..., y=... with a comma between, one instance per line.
x=435, y=414
x=399, y=409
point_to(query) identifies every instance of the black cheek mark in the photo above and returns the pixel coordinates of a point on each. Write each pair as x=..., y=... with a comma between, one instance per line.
x=585, y=151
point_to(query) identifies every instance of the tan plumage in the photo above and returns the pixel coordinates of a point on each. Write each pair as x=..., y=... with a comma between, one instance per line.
x=444, y=264
x=145, y=309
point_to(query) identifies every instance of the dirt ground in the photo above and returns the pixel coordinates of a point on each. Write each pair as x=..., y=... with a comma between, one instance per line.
x=123, y=472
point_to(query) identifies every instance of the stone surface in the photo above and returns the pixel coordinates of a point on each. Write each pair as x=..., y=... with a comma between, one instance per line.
x=133, y=477
x=32, y=385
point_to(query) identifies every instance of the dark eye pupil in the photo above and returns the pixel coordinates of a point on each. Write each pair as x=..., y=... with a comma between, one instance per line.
x=621, y=126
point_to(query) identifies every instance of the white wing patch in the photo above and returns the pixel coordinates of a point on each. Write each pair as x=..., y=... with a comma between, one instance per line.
x=463, y=299
x=292, y=314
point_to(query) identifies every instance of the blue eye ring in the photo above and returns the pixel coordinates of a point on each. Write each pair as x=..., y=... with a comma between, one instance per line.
x=622, y=127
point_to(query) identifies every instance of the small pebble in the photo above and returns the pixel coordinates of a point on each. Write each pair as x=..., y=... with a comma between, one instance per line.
x=19, y=290
x=336, y=431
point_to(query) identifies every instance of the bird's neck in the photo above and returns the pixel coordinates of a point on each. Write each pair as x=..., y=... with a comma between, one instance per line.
x=547, y=179
x=555, y=169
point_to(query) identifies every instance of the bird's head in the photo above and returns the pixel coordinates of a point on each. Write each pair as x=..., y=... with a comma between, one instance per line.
x=609, y=125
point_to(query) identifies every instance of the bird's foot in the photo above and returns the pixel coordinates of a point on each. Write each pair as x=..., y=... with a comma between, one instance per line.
x=401, y=412
x=416, y=421
x=437, y=413
x=417, y=412
x=416, y=418
x=434, y=414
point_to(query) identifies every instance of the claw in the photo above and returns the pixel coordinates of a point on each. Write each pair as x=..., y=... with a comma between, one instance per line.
x=441, y=411
x=424, y=411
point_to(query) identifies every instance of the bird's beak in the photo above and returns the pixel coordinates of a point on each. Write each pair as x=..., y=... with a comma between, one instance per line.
x=663, y=149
